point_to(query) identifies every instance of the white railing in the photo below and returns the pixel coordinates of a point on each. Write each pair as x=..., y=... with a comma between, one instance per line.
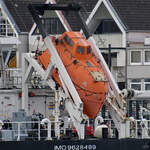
x=111, y=128
x=28, y=130
x=37, y=130
x=139, y=129
x=142, y=128
x=5, y=28
x=32, y=130
x=13, y=79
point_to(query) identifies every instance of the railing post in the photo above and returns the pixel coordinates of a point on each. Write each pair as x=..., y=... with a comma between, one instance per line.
x=57, y=113
x=49, y=131
x=39, y=137
x=18, y=138
x=136, y=129
x=46, y=120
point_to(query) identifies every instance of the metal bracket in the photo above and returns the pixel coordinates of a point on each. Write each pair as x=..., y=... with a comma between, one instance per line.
x=38, y=9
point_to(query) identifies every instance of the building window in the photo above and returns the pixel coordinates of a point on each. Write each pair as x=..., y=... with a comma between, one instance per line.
x=107, y=26
x=52, y=26
x=147, y=84
x=135, y=57
x=147, y=57
x=135, y=84
x=106, y=57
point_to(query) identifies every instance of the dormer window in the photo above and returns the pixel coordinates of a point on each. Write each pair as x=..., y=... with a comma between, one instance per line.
x=80, y=50
x=107, y=26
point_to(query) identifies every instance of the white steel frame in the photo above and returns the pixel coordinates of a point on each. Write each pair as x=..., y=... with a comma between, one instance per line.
x=74, y=109
x=115, y=97
x=114, y=102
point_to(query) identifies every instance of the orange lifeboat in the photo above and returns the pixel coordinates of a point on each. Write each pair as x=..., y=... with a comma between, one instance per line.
x=83, y=69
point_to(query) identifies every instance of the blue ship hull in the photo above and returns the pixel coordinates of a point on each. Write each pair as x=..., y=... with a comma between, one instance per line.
x=103, y=144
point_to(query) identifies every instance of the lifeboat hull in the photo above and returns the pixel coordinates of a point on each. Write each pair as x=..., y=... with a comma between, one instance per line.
x=92, y=88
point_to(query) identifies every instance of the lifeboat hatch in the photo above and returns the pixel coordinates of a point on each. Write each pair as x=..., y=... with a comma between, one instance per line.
x=97, y=76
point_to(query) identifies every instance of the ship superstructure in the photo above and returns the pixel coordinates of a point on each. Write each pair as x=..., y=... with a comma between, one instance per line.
x=73, y=67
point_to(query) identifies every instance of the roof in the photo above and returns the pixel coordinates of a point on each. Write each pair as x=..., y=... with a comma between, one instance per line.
x=133, y=13
x=20, y=13
x=87, y=7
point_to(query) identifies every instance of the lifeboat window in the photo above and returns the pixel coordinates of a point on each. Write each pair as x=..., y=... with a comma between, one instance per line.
x=88, y=50
x=68, y=41
x=80, y=50
x=89, y=64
